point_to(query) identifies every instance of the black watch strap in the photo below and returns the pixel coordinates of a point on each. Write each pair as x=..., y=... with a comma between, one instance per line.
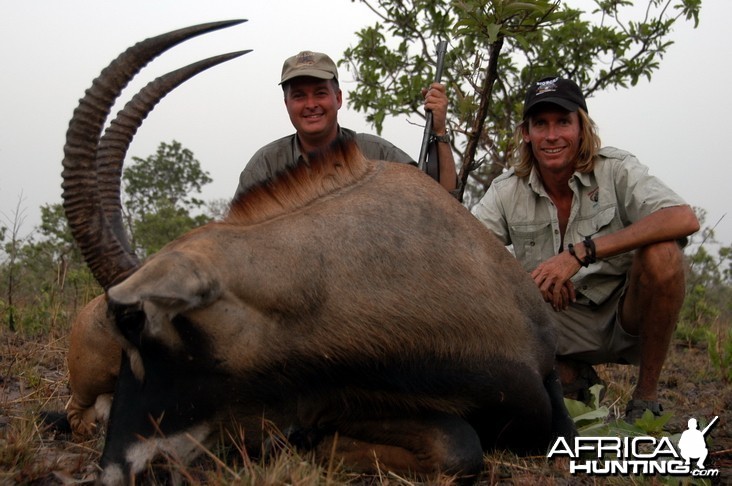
x=446, y=138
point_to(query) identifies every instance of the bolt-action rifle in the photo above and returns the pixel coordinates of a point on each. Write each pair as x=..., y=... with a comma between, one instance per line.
x=428, y=161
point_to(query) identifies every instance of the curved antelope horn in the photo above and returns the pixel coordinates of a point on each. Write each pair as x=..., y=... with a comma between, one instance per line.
x=104, y=247
x=113, y=146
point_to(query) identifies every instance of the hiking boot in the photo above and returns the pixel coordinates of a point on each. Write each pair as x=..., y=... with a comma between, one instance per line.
x=636, y=408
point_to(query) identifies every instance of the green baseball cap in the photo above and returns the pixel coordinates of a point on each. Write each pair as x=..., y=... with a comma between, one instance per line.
x=308, y=63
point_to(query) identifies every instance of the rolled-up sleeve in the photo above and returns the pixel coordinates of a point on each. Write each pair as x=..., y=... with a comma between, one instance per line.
x=639, y=192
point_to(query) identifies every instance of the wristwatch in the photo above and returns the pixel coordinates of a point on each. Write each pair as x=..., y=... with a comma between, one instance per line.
x=446, y=138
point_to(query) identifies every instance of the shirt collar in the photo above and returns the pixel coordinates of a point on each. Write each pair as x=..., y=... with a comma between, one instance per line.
x=538, y=187
x=535, y=182
x=297, y=153
x=584, y=178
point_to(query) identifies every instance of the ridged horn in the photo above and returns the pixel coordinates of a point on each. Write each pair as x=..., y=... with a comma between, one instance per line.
x=102, y=243
x=115, y=142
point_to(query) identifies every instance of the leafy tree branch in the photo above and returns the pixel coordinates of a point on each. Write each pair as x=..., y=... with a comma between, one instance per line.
x=497, y=48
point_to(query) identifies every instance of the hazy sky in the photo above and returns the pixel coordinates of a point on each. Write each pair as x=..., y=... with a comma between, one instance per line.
x=51, y=50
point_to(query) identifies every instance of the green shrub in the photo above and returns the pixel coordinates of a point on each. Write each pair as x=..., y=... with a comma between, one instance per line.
x=720, y=352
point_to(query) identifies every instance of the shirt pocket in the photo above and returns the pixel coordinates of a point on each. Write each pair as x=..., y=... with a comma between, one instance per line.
x=601, y=223
x=530, y=242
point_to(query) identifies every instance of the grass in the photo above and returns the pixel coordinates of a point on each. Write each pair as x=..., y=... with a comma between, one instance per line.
x=33, y=378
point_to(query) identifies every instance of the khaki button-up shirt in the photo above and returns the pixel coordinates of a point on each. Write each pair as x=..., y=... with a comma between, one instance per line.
x=618, y=192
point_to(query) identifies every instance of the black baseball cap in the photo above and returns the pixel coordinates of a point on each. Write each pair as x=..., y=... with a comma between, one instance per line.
x=556, y=90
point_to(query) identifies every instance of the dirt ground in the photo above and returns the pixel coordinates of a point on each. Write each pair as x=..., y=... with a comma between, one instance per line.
x=689, y=388
x=33, y=378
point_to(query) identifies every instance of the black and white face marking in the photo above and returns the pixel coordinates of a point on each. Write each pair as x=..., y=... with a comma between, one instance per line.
x=184, y=446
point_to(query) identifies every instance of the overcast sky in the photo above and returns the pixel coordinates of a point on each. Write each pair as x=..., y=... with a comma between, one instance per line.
x=51, y=50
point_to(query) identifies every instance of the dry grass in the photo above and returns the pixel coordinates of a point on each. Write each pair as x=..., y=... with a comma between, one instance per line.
x=33, y=378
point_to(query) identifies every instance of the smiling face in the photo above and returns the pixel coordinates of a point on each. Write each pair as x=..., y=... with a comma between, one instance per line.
x=554, y=134
x=313, y=105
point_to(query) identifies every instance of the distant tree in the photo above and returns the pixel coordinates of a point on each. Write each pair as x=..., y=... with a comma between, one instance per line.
x=218, y=208
x=12, y=264
x=55, y=231
x=160, y=196
x=496, y=49
x=45, y=274
x=43, y=278
x=706, y=316
x=54, y=247
x=709, y=282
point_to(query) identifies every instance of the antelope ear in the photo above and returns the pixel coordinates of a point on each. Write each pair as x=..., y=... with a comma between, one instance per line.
x=173, y=280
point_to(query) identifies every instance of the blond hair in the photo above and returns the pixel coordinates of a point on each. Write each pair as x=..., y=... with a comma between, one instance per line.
x=524, y=160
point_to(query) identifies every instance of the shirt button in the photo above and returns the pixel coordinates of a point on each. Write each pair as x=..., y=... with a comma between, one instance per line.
x=556, y=231
x=532, y=243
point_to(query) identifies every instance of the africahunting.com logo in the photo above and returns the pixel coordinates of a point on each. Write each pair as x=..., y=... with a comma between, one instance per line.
x=630, y=456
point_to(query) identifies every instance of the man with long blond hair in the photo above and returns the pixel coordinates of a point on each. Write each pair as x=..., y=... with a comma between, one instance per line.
x=601, y=238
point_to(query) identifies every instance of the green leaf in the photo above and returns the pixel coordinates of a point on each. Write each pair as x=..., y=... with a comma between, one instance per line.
x=492, y=32
x=598, y=414
x=651, y=424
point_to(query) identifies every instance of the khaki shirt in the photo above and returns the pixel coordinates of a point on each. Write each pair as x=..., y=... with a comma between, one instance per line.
x=285, y=152
x=618, y=192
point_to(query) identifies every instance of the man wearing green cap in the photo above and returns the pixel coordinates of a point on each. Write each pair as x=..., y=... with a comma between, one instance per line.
x=312, y=98
x=598, y=235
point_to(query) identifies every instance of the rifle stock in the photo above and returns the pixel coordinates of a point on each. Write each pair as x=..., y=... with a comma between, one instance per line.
x=428, y=161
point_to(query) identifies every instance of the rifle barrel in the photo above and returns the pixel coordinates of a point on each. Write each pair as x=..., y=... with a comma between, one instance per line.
x=427, y=134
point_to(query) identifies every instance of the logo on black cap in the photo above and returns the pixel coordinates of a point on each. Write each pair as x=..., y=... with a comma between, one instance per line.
x=556, y=90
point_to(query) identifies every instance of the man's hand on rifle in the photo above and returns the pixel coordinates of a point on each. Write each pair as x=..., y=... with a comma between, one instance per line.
x=435, y=100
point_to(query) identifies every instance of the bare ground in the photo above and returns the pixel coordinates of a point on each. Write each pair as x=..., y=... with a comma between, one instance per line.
x=33, y=378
